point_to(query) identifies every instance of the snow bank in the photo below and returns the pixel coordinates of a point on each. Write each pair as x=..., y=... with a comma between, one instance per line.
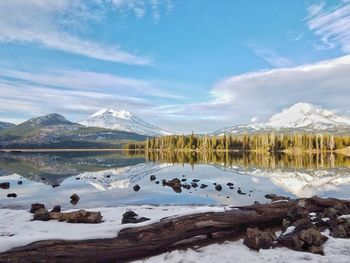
x=336, y=250
x=17, y=229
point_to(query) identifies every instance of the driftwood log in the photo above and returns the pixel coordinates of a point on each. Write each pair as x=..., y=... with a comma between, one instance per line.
x=80, y=216
x=140, y=242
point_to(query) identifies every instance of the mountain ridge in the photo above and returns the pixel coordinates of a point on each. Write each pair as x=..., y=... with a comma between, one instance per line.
x=301, y=117
x=5, y=125
x=55, y=131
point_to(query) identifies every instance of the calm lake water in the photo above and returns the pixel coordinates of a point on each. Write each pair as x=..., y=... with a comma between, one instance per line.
x=107, y=179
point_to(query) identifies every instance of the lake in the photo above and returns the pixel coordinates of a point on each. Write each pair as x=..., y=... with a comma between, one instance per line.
x=107, y=179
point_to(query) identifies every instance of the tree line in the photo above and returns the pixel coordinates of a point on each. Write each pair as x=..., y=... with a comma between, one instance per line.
x=246, y=142
x=257, y=159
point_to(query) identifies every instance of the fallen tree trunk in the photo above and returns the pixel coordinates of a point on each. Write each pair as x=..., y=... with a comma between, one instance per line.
x=139, y=242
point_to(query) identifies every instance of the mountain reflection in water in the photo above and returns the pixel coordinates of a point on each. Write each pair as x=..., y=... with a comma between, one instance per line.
x=108, y=178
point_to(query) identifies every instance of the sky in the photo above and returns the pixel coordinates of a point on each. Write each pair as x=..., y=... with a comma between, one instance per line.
x=184, y=65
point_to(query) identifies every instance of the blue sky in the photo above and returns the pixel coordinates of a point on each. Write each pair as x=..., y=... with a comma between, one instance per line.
x=183, y=65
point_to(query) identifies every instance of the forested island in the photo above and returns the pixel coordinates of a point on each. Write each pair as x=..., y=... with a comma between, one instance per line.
x=269, y=142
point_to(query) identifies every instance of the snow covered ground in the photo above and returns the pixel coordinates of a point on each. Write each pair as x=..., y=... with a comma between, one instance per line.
x=17, y=229
x=336, y=250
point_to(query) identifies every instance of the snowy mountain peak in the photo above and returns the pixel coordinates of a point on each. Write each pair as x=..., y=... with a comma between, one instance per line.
x=301, y=116
x=123, y=114
x=123, y=121
x=305, y=114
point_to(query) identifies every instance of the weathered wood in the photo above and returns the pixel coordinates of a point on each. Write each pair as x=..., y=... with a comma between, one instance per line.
x=80, y=216
x=138, y=242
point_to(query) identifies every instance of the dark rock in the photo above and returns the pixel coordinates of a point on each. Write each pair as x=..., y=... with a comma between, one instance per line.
x=339, y=231
x=218, y=187
x=13, y=195
x=297, y=214
x=43, y=178
x=214, y=183
x=5, y=185
x=35, y=207
x=186, y=186
x=77, y=178
x=175, y=184
x=183, y=175
x=330, y=212
x=136, y=188
x=257, y=239
x=183, y=180
x=194, y=185
x=152, y=177
x=20, y=182
x=341, y=228
x=74, y=199
x=230, y=184
x=56, y=209
x=41, y=214
x=203, y=186
x=305, y=237
x=108, y=175
x=156, y=182
x=239, y=191
x=231, y=187
x=130, y=217
x=195, y=180
x=55, y=185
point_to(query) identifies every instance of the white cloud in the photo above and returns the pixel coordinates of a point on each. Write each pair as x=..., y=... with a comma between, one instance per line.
x=273, y=57
x=74, y=93
x=56, y=24
x=90, y=81
x=332, y=24
x=261, y=94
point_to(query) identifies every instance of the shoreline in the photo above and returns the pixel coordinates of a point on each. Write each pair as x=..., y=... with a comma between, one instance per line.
x=345, y=151
x=63, y=150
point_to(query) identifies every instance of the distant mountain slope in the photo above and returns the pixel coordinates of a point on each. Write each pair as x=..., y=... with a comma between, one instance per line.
x=55, y=131
x=5, y=125
x=300, y=117
x=122, y=121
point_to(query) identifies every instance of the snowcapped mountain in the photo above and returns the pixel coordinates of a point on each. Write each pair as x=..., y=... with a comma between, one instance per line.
x=299, y=117
x=122, y=121
x=55, y=131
